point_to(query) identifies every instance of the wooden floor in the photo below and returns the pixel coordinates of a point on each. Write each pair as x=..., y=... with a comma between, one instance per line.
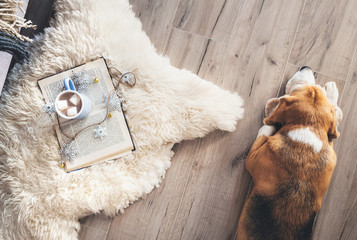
x=251, y=47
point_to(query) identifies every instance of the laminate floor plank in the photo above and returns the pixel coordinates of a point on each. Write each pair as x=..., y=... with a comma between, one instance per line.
x=152, y=217
x=259, y=51
x=327, y=37
x=156, y=18
x=210, y=203
x=348, y=229
x=94, y=223
x=211, y=64
x=196, y=53
x=212, y=19
x=186, y=50
x=92, y=234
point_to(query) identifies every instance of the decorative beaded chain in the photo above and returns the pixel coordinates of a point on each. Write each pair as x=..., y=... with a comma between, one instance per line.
x=67, y=150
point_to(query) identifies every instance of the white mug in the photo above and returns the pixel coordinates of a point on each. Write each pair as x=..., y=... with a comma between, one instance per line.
x=85, y=105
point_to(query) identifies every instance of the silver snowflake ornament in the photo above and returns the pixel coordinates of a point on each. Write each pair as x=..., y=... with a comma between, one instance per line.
x=68, y=151
x=100, y=132
x=49, y=107
x=114, y=102
x=127, y=77
x=81, y=80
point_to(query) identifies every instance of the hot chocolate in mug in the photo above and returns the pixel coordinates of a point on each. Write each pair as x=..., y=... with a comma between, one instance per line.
x=71, y=104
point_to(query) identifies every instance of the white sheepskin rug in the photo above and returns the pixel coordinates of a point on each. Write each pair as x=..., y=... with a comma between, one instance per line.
x=38, y=200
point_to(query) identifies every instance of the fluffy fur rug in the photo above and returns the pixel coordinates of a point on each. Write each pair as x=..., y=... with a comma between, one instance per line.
x=38, y=200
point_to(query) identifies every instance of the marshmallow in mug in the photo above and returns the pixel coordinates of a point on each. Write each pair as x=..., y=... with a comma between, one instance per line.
x=72, y=111
x=75, y=99
x=62, y=105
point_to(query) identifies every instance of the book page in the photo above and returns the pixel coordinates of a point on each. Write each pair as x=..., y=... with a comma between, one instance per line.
x=90, y=149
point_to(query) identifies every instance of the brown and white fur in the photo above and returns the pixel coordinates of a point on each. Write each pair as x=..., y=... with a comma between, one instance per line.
x=291, y=161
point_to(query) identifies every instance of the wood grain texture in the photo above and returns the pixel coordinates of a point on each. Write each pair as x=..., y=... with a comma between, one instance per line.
x=212, y=61
x=213, y=19
x=187, y=50
x=156, y=217
x=252, y=47
x=94, y=227
x=156, y=18
x=258, y=54
x=92, y=233
x=327, y=37
x=196, y=53
x=207, y=201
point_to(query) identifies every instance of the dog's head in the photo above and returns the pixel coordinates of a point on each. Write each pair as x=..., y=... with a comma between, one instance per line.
x=305, y=106
x=303, y=77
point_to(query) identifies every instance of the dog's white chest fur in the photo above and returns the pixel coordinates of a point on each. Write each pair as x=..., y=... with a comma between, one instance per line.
x=305, y=135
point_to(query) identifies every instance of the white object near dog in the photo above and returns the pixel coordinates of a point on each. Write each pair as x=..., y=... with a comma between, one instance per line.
x=305, y=135
x=305, y=76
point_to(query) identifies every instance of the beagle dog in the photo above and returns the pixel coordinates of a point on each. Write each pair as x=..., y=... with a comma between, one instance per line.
x=291, y=161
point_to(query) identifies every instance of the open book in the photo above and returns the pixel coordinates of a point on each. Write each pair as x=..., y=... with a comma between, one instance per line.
x=117, y=141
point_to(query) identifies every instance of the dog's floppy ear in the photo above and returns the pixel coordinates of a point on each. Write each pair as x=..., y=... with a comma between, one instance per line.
x=332, y=132
x=270, y=107
x=277, y=116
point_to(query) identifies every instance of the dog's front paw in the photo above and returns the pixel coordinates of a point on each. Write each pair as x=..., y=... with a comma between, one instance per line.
x=267, y=130
x=331, y=92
